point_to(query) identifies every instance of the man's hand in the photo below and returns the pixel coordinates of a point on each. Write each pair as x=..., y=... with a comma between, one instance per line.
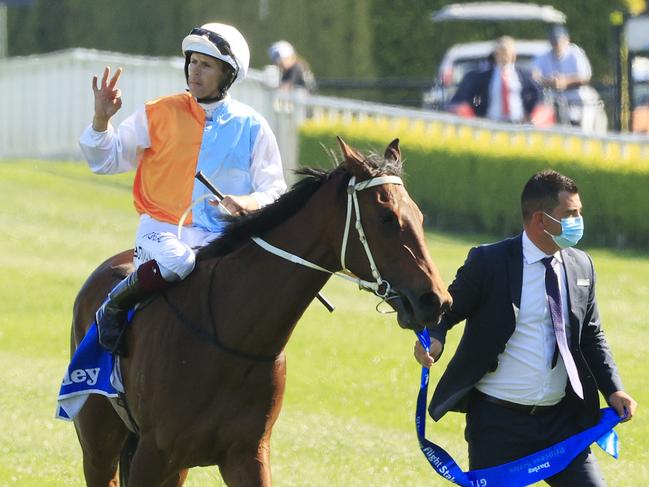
x=622, y=402
x=560, y=82
x=108, y=99
x=237, y=205
x=428, y=359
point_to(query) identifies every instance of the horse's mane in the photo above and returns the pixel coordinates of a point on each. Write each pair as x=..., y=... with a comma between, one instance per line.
x=242, y=228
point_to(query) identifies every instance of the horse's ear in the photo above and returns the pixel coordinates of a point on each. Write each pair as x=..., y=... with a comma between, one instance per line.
x=392, y=152
x=354, y=160
x=348, y=152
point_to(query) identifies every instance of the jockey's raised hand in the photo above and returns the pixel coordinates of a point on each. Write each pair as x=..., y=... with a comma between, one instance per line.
x=108, y=99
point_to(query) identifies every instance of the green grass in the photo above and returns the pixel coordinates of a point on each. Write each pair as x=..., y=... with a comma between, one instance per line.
x=352, y=382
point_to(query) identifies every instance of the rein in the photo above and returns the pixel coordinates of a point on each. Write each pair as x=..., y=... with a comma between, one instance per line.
x=352, y=202
x=214, y=337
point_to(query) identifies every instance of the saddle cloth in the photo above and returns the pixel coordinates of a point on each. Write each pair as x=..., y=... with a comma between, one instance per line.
x=92, y=370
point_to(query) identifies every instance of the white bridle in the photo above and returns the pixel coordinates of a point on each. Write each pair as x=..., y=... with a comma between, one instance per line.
x=352, y=200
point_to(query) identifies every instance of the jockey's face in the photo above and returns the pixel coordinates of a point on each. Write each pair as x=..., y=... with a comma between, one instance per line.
x=205, y=75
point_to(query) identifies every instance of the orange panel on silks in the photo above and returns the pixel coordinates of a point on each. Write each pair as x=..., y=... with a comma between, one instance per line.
x=165, y=176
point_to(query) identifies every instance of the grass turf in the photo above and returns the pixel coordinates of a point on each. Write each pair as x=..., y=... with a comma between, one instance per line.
x=352, y=382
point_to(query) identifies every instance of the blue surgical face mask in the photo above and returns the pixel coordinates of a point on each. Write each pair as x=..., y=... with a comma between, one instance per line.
x=572, y=229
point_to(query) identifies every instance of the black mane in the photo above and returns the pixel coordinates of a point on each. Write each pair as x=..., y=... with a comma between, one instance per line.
x=242, y=228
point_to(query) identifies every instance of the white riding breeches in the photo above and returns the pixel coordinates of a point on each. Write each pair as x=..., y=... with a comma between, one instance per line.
x=159, y=241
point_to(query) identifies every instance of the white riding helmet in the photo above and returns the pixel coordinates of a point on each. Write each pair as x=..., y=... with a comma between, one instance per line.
x=222, y=42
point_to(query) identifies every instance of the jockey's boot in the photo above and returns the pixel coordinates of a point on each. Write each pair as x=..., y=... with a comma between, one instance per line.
x=134, y=288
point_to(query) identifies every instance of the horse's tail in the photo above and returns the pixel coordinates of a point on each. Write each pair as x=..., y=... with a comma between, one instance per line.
x=126, y=457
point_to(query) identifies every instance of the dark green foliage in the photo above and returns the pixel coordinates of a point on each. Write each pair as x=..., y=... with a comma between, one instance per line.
x=339, y=38
x=145, y=27
x=334, y=36
x=406, y=39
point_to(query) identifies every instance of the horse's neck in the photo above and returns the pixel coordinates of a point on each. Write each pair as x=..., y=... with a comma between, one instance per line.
x=315, y=232
x=277, y=291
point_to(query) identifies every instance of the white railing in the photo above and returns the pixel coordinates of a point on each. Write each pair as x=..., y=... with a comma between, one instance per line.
x=46, y=101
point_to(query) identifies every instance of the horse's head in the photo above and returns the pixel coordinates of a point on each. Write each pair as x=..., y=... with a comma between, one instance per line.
x=393, y=226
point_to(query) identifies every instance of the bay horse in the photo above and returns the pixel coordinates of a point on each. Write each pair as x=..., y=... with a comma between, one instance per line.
x=205, y=372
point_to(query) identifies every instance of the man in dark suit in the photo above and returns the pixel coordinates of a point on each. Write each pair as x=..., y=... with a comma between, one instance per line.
x=502, y=91
x=533, y=354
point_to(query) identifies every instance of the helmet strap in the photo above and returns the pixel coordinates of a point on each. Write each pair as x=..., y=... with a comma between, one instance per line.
x=228, y=78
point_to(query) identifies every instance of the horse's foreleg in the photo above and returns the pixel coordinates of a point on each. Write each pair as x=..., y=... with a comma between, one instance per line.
x=101, y=434
x=150, y=466
x=248, y=470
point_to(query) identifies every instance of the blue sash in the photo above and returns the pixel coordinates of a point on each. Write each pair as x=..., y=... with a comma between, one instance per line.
x=524, y=471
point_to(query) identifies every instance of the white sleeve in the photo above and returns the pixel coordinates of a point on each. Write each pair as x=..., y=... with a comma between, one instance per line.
x=583, y=65
x=266, y=170
x=115, y=151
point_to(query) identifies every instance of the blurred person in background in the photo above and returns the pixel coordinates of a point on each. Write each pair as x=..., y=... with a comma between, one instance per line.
x=566, y=72
x=501, y=91
x=167, y=141
x=294, y=71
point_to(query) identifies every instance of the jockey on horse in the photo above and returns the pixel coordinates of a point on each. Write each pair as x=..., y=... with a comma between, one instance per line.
x=169, y=139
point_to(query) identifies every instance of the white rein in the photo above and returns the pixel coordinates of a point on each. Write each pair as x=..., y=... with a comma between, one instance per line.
x=352, y=201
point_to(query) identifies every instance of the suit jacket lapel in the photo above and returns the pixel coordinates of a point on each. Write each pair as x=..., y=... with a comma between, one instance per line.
x=569, y=266
x=515, y=272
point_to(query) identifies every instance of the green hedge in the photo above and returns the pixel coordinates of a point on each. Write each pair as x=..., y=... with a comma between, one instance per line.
x=472, y=181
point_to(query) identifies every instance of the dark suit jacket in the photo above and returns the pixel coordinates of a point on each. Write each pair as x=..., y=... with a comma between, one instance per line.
x=474, y=89
x=487, y=293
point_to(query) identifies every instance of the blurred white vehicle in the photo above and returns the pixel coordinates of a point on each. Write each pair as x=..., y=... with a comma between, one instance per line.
x=459, y=59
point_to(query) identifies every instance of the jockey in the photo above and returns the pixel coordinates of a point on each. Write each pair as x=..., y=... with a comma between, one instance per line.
x=167, y=141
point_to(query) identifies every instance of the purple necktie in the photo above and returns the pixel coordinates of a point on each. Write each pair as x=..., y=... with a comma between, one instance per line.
x=554, y=301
